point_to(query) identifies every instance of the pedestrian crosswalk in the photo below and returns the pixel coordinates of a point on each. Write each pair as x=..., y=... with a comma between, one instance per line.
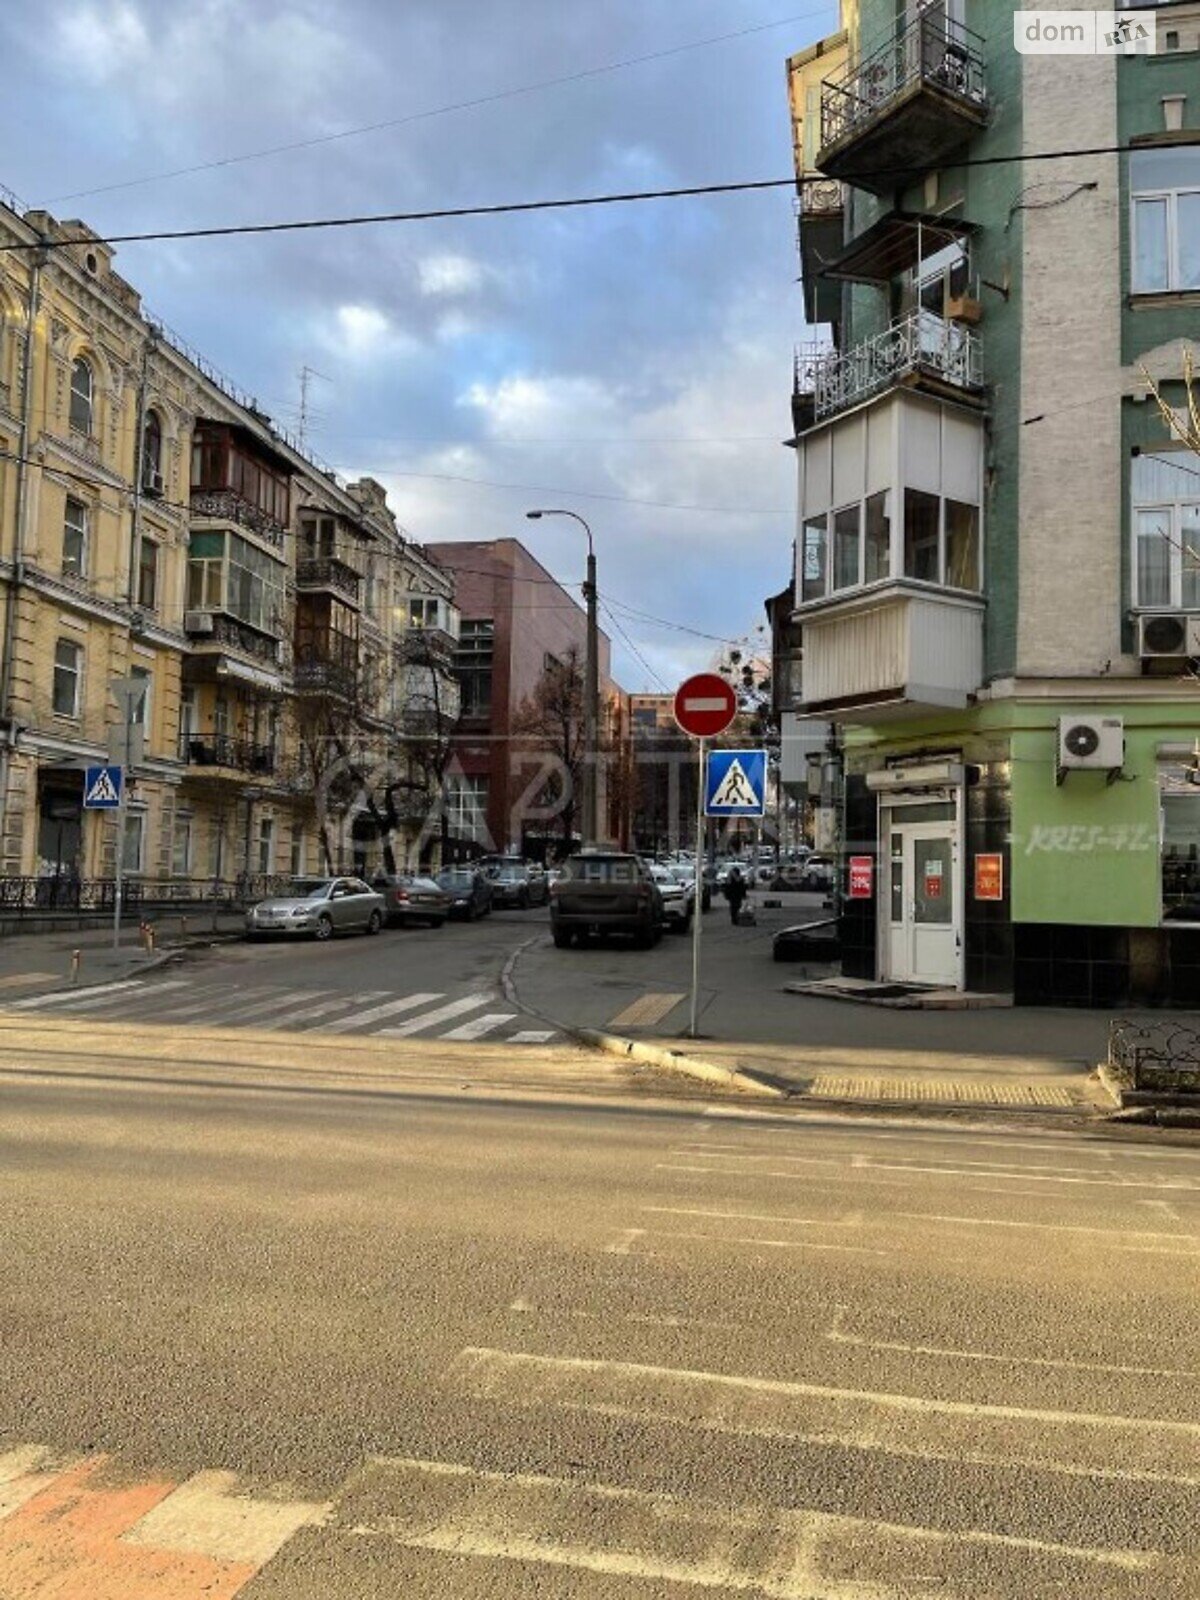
x=205, y=1001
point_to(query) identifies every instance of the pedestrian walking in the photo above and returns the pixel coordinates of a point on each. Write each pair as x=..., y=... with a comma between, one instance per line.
x=735, y=893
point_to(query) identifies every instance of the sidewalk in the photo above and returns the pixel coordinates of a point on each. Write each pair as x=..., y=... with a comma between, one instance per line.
x=38, y=963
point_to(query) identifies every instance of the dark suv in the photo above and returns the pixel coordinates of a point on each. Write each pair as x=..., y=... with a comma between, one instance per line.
x=606, y=892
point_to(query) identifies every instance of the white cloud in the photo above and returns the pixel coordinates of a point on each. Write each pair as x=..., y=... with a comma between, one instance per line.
x=519, y=406
x=449, y=275
x=101, y=41
x=360, y=331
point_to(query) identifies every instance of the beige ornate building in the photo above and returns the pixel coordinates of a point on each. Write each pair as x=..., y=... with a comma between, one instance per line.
x=287, y=645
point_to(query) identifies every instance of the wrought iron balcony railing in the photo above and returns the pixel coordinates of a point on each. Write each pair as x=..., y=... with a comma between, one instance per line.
x=217, y=628
x=921, y=344
x=220, y=750
x=226, y=505
x=931, y=49
x=328, y=572
x=317, y=673
x=821, y=197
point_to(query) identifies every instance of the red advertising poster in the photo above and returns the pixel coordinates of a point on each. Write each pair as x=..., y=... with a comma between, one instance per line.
x=989, y=877
x=862, y=869
x=933, y=880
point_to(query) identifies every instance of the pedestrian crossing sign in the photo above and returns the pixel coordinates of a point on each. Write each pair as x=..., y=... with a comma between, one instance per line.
x=102, y=788
x=735, y=783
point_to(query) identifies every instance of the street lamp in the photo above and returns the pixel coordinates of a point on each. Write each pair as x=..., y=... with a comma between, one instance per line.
x=591, y=693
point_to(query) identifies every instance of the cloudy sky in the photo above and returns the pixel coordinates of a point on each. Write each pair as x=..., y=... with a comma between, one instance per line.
x=622, y=361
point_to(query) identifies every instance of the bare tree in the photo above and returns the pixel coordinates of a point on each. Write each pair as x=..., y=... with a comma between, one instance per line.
x=550, y=723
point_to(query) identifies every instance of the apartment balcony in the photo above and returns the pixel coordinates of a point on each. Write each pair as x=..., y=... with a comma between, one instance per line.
x=921, y=351
x=329, y=575
x=316, y=673
x=820, y=224
x=904, y=108
x=890, y=650
x=226, y=505
x=222, y=756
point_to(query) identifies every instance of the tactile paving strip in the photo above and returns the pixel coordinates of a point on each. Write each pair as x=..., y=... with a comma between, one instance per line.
x=988, y=1094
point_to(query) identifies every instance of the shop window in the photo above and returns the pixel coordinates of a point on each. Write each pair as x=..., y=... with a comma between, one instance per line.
x=1179, y=829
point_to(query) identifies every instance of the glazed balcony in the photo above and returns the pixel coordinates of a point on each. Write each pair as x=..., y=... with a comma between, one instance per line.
x=904, y=108
x=329, y=575
x=922, y=351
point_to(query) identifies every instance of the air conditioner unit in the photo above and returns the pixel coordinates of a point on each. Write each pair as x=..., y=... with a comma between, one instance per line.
x=1097, y=743
x=152, y=484
x=1170, y=633
x=198, y=622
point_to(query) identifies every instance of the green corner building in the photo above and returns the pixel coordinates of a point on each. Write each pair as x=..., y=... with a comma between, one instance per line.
x=998, y=547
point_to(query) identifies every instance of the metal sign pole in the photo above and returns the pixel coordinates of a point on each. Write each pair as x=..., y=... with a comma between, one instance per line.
x=120, y=858
x=698, y=903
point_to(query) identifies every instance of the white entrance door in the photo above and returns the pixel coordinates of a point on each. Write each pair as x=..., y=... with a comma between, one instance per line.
x=923, y=941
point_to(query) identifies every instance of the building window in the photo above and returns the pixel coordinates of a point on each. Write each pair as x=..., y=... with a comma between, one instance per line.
x=1179, y=826
x=1165, y=185
x=921, y=535
x=75, y=539
x=296, y=863
x=1166, y=531
x=815, y=576
x=68, y=674
x=847, y=539
x=181, y=848
x=133, y=846
x=228, y=573
x=878, y=546
x=466, y=807
x=147, y=584
x=140, y=704
x=266, y=846
x=152, y=453
x=473, y=661
x=82, y=388
x=962, y=545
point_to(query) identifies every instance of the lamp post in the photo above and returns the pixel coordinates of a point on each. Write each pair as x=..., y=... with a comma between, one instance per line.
x=591, y=693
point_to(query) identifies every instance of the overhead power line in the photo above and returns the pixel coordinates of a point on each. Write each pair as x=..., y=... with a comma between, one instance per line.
x=519, y=207
x=441, y=111
x=582, y=494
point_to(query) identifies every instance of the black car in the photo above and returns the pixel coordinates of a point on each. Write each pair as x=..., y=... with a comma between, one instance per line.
x=470, y=892
x=606, y=892
x=515, y=884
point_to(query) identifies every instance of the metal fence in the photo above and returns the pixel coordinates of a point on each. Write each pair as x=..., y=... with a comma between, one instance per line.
x=70, y=895
x=1155, y=1055
x=921, y=342
x=932, y=49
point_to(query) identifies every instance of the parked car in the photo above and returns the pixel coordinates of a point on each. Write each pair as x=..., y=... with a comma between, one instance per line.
x=678, y=898
x=409, y=897
x=808, y=941
x=686, y=874
x=606, y=892
x=470, y=892
x=817, y=873
x=515, y=884
x=318, y=907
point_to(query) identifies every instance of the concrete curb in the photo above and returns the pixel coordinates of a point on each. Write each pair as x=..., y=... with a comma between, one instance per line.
x=1165, y=1109
x=744, y=1079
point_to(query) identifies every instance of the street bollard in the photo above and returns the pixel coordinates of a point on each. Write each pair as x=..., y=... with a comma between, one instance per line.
x=75, y=956
x=183, y=927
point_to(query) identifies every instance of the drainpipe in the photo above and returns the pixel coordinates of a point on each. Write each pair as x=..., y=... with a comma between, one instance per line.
x=139, y=464
x=16, y=581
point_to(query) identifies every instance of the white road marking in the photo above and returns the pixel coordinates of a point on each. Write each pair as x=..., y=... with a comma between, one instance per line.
x=310, y=1012
x=67, y=994
x=431, y=1019
x=790, y=1554
x=853, y=1220
x=838, y=1335
x=624, y=1242
x=1077, y=1444
x=856, y=1178
x=774, y=1244
x=205, y=1516
x=478, y=1026
x=1165, y=1206
x=1033, y=1177
x=1041, y=1227
x=532, y=1036
x=68, y=1003
x=244, y=1011
x=25, y=1471
x=390, y=1008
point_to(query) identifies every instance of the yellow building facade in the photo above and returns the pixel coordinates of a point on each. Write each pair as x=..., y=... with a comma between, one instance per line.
x=161, y=541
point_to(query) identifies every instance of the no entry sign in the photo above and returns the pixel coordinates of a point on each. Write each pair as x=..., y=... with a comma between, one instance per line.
x=705, y=705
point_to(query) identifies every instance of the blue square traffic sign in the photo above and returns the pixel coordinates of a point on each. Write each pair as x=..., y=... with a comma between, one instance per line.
x=735, y=783
x=102, y=788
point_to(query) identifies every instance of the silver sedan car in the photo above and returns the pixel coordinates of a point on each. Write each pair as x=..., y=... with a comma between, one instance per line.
x=318, y=907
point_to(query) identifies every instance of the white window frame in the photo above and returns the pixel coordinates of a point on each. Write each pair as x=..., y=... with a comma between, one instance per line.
x=183, y=830
x=143, y=710
x=1171, y=512
x=73, y=394
x=1171, y=196
x=135, y=830
x=76, y=671
x=85, y=533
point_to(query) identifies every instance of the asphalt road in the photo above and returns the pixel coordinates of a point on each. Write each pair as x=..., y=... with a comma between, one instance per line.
x=333, y=1342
